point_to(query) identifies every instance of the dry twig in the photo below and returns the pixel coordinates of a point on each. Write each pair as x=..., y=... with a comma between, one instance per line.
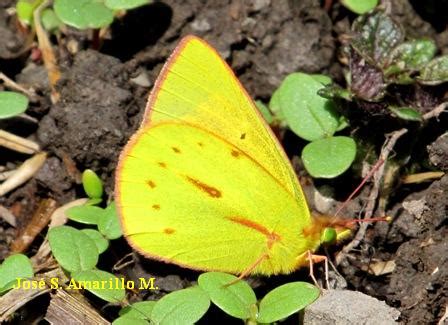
x=23, y=173
x=48, y=55
x=377, y=176
x=38, y=222
x=16, y=143
x=71, y=308
x=11, y=84
x=8, y=216
x=436, y=111
x=14, y=299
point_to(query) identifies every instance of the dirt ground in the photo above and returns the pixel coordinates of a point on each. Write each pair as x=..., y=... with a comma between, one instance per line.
x=103, y=97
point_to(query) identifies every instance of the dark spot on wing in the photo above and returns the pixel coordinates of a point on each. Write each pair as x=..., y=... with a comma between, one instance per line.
x=243, y=136
x=168, y=231
x=156, y=207
x=200, y=144
x=210, y=190
x=151, y=184
x=162, y=164
x=175, y=149
x=235, y=153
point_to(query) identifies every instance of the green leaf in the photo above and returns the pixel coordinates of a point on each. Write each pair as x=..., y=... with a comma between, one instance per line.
x=100, y=242
x=412, y=55
x=141, y=310
x=12, y=104
x=83, y=14
x=334, y=91
x=128, y=320
x=236, y=299
x=406, y=113
x=343, y=123
x=93, y=201
x=125, y=4
x=308, y=115
x=185, y=306
x=376, y=35
x=109, y=225
x=435, y=72
x=73, y=249
x=93, y=186
x=50, y=21
x=265, y=112
x=14, y=267
x=329, y=157
x=286, y=300
x=25, y=9
x=275, y=109
x=360, y=6
x=408, y=57
x=323, y=79
x=102, y=284
x=86, y=214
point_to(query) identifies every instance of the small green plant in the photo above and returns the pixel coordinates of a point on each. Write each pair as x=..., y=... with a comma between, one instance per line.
x=137, y=313
x=297, y=104
x=77, y=251
x=386, y=76
x=105, y=219
x=42, y=16
x=84, y=14
x=14, y=267
x=360, y=6
x=12, y=104
x=25, y=10
x=92, y=186
x=385, y=68
x=186, y=306
x=81, y=14
x=235, y=297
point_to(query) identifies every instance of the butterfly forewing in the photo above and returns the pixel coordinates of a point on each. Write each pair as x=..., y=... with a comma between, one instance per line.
x=198, y=87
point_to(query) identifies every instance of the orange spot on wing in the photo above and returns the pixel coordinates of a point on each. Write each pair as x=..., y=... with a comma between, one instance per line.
x=162, y=164
x=270, y=235
x=151, y=184
x=168, y=231
x=156, y=207
x=250, y=224
x=210, y=190
x=235, y=153
x=175, y=149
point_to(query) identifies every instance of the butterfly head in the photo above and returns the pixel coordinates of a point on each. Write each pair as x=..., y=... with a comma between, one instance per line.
x=333, y=229
x=329, y=230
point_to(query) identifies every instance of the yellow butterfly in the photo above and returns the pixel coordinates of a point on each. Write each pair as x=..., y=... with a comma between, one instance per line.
x=204, y=183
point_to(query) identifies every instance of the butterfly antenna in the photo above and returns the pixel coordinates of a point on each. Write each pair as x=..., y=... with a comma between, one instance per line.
x=358, y=188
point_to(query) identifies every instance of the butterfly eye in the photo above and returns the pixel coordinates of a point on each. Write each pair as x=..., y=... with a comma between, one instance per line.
x=328, y=236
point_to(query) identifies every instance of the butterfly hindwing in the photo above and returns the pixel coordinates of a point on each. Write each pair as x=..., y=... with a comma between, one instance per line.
x=204, y=183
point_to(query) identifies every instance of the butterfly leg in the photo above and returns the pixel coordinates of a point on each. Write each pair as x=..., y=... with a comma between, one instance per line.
x=318, y=259
x=247, y=271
